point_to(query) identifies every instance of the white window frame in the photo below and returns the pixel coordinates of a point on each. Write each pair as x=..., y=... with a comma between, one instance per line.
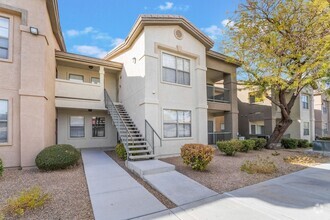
x=10, y=38
x=258, y=125
x=177, y=123
x=306, y=129
x=305, y=103
x=84, y=126
x=94, y=77
x=9, y=122
x=75, y=74
x=176, y=70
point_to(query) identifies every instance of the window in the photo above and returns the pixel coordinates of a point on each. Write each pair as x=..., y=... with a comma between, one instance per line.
x=254, y=98
x=98, y=126
x=306, y=128
x=324, y=107
x=3, y=121
x=95, y=80
x=176, y=69
x=76, y=78
x=305, y=101
x=257, y=128
x=325, y=128
x=77, y=126
x=4, y=38
x=177, y=123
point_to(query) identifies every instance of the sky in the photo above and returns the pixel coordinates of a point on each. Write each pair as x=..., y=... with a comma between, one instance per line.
x=95, y=27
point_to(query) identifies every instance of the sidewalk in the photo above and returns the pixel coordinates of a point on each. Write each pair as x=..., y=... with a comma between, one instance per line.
x=113, y=192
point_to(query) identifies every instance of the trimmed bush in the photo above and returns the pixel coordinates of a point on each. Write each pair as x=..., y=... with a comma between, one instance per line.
x=289, y=143
x=197, y=156
x=1, y=167
x=57, y=157
x=230, y=147
x=247, y=145
x=27, y=200
x=260, y=143
x=303, y=143
x=121, y=151
x=260, y=165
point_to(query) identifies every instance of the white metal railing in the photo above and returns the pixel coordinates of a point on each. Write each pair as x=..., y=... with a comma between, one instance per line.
x=213, y=137
x=150, y=135
x=124, y=133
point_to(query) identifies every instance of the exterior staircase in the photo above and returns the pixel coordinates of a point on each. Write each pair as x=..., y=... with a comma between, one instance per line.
x=137, y=148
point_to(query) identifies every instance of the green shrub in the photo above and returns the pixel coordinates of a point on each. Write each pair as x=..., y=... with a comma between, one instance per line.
x=1, y=167
x=121, y=151
x=247, y=145
x=289, y=143
x=57, y=157
x=197, y=156
x=302, y=143
x=260, y=165
x=260, y=143
x=230, y=147
x=27, y=200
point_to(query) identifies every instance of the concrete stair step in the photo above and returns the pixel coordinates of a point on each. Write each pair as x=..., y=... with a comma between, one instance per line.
x=138, y=151
x=137, y=157
x=148, y=167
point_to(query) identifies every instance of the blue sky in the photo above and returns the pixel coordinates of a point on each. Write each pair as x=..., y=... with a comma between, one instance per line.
x=95, y=27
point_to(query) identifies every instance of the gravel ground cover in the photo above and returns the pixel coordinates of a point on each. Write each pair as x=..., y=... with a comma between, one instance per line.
x=157, y=194
x=223, y=174
x=67, y=188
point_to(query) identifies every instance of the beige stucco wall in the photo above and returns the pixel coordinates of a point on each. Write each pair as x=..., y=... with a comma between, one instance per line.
x=29, y=83
x=63, y=123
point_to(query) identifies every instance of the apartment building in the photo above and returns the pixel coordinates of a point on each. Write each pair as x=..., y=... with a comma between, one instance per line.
x=162, y=88
x=322, y=115
x=258, y=116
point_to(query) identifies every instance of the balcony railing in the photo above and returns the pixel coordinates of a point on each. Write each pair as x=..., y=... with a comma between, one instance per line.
x=217, y=94
x=213, y=137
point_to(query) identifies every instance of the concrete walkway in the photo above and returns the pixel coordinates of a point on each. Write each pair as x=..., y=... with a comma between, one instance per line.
x=114, y=193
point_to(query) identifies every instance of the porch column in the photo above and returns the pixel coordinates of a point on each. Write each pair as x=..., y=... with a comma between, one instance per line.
x=101, y=71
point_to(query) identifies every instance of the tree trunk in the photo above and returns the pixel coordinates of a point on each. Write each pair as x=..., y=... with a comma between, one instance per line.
x=279, y=130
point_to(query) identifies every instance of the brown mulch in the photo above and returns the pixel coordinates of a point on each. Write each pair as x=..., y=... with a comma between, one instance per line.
x=157, y=194
x=67, y=189
x=223, y=174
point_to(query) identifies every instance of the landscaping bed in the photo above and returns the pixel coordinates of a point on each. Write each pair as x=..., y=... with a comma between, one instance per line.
x=224, y=173
x=67, y=189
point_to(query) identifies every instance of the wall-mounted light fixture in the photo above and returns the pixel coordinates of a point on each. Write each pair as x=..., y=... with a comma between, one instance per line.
x=90, y=67
x=34, y=31
x=134, y=60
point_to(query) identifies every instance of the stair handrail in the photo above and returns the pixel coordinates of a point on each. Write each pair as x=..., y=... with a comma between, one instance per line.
x=112, y=105
x=153, y=134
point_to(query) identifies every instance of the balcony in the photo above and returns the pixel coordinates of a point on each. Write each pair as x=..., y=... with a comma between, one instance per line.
x=71, y=94
x=214, y=137
x=218, y=98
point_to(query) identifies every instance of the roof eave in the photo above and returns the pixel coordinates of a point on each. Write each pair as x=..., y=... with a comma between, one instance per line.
x=224, y=58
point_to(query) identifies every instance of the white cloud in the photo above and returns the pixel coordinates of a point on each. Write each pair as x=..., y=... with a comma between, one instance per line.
x=167, y=6
x=228, y=23
x=115, y=42
x=74, y=32
x=213, y=31
x=90, y=50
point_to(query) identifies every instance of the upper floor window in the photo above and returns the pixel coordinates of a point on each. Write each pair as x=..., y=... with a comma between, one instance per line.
x=76, y=78
x=305, y=101
x=4, y=37
x=176, y=69
x=324, y=107
x=255, y=98
x=95, y=80
x=3, y=121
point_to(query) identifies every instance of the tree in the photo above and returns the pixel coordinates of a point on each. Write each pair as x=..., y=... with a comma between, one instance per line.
x=284, y=47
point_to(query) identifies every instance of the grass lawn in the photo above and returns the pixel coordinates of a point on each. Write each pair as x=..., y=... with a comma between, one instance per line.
x=223, y=174
x=67, y=188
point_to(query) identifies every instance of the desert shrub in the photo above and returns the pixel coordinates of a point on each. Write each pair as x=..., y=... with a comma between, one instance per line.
x=275, y=153
x=27, y=200
x=302, y=143
x=247, y=145
x=57, y=157
x=260, y=143
x=260, y=165
x=1, y=167
x=197, y=156
x=289, y=143
x=230, y=147
x=121, y=151
x=324, y=138
x=300, y=160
